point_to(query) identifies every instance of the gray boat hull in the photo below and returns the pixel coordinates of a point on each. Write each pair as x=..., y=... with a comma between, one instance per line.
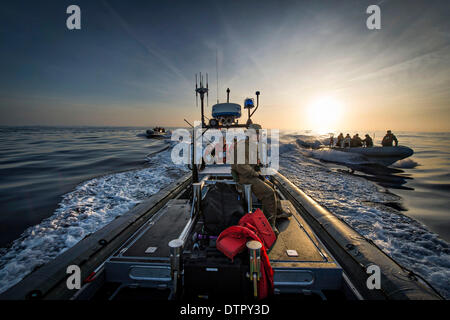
x=382, y=155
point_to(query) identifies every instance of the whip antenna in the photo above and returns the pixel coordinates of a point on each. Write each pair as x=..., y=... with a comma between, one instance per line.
x=200, y=90
x=217, y=76
x=196, y=93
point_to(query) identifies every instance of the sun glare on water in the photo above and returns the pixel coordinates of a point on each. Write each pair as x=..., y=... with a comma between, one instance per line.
x=324, y=113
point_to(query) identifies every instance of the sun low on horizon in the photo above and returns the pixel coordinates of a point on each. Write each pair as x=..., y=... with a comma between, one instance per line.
x=324, y=113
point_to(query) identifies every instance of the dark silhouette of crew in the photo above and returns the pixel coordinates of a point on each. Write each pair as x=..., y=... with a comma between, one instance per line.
x=388, y=139
x=356, y=141
x=340, y=140
x=368, y=142
x=347, y=141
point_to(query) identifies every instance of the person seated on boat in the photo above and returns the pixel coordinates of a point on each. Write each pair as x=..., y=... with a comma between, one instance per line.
x=331, y=141
x=247, y=173
x=368, y=142
x=340, y=140
x=388, y=139
x=356, y=141
x=347, y=141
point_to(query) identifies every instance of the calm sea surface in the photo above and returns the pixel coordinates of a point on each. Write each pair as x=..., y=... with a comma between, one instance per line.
x=38, y=165
x=429, y=201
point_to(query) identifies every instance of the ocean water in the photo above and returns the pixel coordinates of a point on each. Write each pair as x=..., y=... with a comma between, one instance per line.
x=60, y=184
x=403, y=209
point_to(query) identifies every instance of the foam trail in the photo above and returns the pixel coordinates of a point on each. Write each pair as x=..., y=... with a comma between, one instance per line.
x=406, y=164
x=91, y=206
x=362, y=205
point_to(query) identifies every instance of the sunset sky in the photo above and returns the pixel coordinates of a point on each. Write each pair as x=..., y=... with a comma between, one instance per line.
x=315, y=62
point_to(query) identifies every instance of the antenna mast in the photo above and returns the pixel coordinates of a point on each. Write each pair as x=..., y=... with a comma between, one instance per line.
x=199, y=89
x=217, y=76
x=196, y=93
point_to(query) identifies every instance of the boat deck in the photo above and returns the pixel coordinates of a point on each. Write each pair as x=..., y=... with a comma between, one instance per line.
x=295, y=235
x=144, y=259
x=153, y=242
x=300, y=262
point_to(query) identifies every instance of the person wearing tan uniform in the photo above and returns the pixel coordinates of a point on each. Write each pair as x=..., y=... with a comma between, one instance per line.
x=247, y=173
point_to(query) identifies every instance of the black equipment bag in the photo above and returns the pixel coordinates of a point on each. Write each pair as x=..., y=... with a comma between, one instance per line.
x=222, y=207
x=209, y=274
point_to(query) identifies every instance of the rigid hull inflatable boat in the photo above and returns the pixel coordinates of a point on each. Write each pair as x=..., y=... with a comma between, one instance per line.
x=382, y=155
x=159, y=250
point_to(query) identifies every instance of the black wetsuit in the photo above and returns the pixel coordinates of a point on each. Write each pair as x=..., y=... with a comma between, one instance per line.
x=368, y=141
x=356, y=142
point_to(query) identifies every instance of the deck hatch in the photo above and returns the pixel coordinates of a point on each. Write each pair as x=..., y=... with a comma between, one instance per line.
x=293, y=277
x=150, y=273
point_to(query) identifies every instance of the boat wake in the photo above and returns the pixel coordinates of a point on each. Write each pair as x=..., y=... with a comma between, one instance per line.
x=406, y=164
x=371, y=211
x=91, y=206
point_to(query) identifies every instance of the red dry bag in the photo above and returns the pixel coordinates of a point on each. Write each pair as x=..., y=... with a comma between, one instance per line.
x=259, y=221
x=233, y=240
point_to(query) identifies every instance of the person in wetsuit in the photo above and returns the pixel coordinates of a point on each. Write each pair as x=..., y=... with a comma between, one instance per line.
x=347, y=141
x=356, y=141
x=340, y=140
x=368, y=142
x=388, y=139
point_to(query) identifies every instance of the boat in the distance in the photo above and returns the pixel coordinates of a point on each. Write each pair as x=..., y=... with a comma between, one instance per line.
x=157, y=132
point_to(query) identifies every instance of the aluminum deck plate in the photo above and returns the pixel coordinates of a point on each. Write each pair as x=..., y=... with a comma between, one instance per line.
x=153, y=242
x=295, y=235
x=144, y=259
x=312, y=268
